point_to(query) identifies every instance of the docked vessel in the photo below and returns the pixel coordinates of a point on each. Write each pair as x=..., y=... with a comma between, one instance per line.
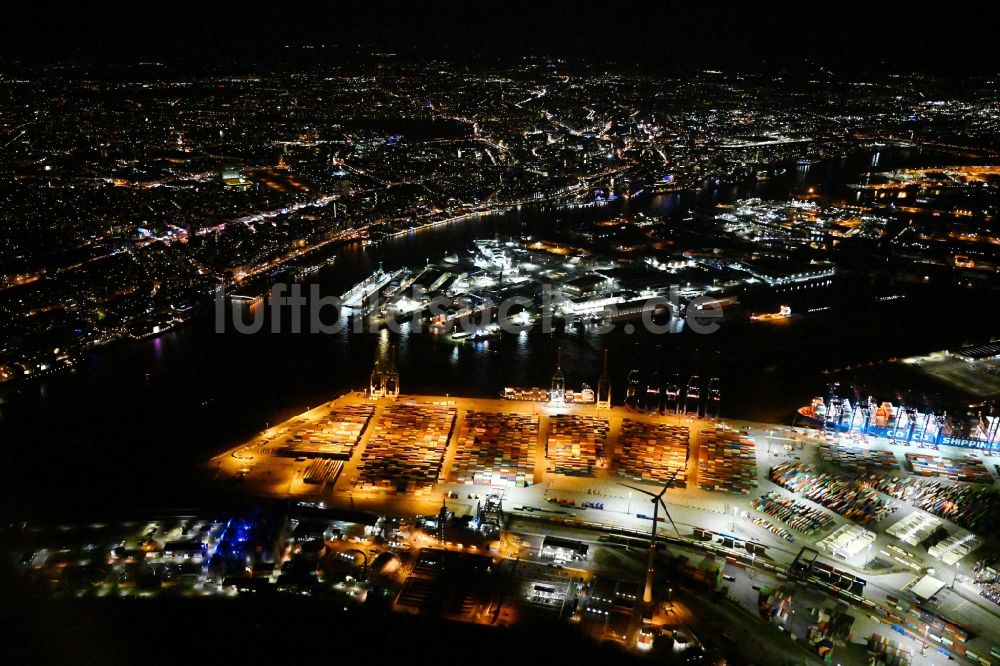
x=477, y=335
x=585, y=396
x=485, y=334
x=784, y=312
x=251, y=291
x=901, y=422
x=357, y=296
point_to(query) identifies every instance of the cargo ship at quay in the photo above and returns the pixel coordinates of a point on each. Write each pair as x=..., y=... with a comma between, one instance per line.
x=902, y=423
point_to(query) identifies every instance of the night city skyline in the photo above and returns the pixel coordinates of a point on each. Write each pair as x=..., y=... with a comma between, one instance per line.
x=562, y=332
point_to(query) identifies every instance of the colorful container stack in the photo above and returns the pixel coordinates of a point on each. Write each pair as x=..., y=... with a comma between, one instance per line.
x=574, y=443
x=924, y=626
x=971, y=470
x=990, y=590
x=859, y=461
x=850, y=499
x=885, y=652
x=407, y=448
x=967, y=506
x=335, y=436
x=495, y=450
x=653, y=452
x=727, y=462
x=774, y=529
x=797, y=515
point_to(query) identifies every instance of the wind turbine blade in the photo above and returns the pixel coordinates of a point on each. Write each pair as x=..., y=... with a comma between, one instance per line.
x=639, y=490
x=668, y=484
x=669, y=517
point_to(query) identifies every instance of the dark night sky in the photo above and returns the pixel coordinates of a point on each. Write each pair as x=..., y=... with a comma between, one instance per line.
x=943, y=36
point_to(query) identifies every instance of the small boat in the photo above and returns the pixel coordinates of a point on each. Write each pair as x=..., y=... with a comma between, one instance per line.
x=491, y=331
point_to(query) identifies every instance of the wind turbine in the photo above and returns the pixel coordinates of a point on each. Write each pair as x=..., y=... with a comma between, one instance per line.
x=657, y=500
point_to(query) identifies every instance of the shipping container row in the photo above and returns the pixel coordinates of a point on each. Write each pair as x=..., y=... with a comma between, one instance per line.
x=971, y=507
x=797, y=515
x=653, y=452
x=859, y=460
x=574, y=443
x=495, y=449
x=407, y=448
x=970, y=470
x=334, y=436
x=841, y=495
x=727, y=462
x=322, y=470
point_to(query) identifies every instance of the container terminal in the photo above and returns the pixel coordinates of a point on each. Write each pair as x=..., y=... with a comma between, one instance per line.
x=878, y=525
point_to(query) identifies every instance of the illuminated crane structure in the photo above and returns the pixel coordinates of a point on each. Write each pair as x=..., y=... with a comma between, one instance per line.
x=558, y=392
x=604, y=386
x=384, y=380
x=375, y=388
x=692, y=396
